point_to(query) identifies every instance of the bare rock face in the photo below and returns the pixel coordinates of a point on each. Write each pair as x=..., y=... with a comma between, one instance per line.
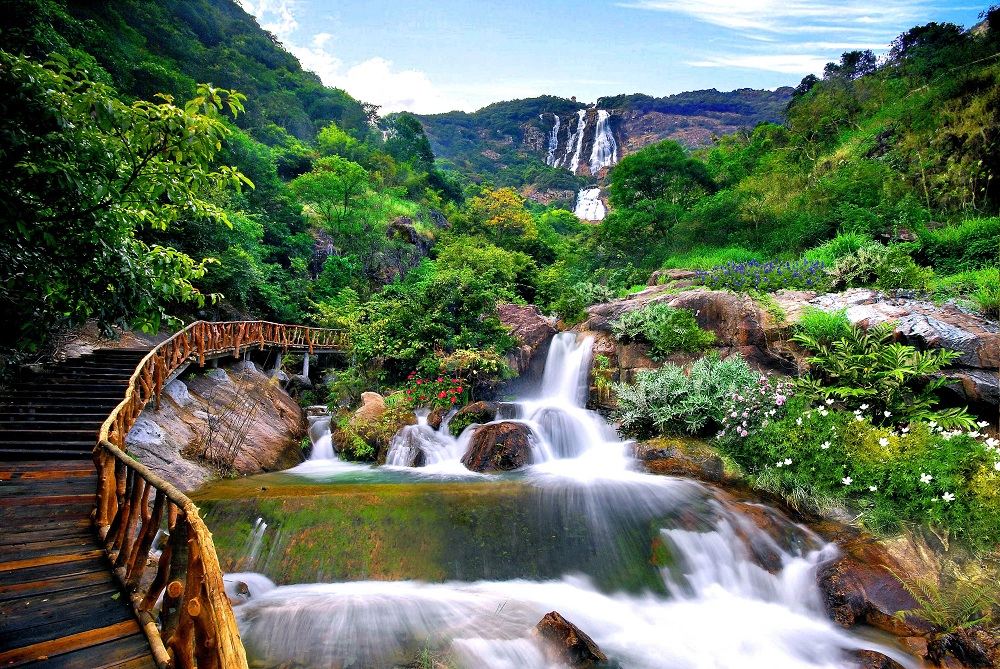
x=970, y=647
x=532, y=330
x=499, y=447
x=567, y=644
x=240, y=420
x=679, y=457
x=372, y=407
x=860, y=587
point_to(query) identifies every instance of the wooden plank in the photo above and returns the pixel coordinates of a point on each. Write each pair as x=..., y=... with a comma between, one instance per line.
x=46, y=649
x=51, y=559
x=130, y=652
x=48, y=607
x=82, y=500
x=73, y=618
x=55, y=585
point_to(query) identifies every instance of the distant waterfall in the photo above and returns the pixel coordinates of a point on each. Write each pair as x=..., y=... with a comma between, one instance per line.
x=605, y=151
x=550, y=157
x=589, y=206
x=577, y=139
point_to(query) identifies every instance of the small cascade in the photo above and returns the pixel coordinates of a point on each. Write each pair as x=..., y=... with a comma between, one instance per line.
x=589, y=205
x=421, y=445
x=255, y=542
x=550, y=157
x=576, y=141
x=605, y=151
x=322, y=440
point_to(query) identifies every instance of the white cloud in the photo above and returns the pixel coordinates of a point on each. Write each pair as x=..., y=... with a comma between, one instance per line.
x=375, y=80
x=798, y=64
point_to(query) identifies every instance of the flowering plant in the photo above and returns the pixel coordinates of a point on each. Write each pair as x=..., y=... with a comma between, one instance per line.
x=755, y=275
x=750, y=409
x=435, y=392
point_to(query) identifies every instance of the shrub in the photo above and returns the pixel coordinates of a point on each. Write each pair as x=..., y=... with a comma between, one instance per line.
x=823, y=327
x=842, y=245
x=972, y=244
x=987, y=296
x=434, y=392
x=765, y=277
x=708, y=257
x=866, y=369
x=885, y=267
x=920, y=473
x=666, y=329
x=668, y=400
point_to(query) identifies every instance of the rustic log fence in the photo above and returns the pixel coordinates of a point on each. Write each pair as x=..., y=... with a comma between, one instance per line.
x=177, y=590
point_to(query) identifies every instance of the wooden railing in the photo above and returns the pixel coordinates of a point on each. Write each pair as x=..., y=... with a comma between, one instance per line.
x=195, y=625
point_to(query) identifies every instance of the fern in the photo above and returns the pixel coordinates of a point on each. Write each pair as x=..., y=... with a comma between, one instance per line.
x=962, y=598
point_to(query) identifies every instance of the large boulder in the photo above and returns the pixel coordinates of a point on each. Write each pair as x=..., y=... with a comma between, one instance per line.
x=531, y=329
x=567, y=644
x=860, y=586
x=680, y=457
x=869, y=659
x=499, y=447
x=477, y=412
x=372, y=407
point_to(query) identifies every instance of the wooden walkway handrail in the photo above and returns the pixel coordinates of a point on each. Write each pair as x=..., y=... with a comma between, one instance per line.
x=195, y=626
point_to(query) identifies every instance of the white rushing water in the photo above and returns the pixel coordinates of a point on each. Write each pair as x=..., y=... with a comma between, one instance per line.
x=605, y=151
x=719, y=607
x=550, y=156
x=589, y=205
x=575, y=142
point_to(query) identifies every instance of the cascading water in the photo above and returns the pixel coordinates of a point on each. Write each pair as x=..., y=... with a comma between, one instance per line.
x=575, y=141
x=660, y=571
x=605, y=151
x=589, y=205
x=550, y=157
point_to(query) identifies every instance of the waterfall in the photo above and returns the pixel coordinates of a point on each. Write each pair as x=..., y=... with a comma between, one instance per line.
x=322, y=441
x=550, y=157
x=589, y=206
x=605, y=151
x=575, y=141
x=733, y=592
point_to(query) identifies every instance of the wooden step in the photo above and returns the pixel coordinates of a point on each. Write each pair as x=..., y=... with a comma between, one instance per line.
x=56, y=436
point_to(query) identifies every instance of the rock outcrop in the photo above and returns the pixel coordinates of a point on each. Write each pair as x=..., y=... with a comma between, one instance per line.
x=477, y=412
x=869, y=659
x=499, y=447
x=532, y=330
x=567, y=644
x=235, y=420
x=680, y=457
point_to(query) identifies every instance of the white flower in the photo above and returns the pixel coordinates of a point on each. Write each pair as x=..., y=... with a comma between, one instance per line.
x=857, y=412
x=905, y=429
x=974, y=434
x=847, y=480
x=779, y=463
x=873, y=488
x=824, y=412
x=886, y=413
x=933, y=423
x=788, y=461
x=798, y=421
x=948, y=497
x=983, y=423
x=864, y=407
x=996, y=465
x=883, y=442
x=860, y=419
x=926, y=478
x=829, y=402
x=992, y=442
x=825, y=445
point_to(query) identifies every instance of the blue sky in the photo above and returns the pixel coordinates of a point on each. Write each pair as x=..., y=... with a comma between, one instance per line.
x=437, y=55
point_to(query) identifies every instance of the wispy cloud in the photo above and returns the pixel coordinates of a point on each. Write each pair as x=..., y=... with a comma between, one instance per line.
x=791, y=36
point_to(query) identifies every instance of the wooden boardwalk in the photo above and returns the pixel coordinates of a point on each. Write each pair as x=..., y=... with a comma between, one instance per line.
x=60, y=604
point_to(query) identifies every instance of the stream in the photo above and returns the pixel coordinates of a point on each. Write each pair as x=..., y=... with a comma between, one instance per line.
x=336, y=564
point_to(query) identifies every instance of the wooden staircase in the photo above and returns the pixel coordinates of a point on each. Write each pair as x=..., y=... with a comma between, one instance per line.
x=60, y=604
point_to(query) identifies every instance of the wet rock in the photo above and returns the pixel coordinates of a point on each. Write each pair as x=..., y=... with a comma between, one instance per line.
x=860, y=587
x=531, y=329
x=435, y=418
x=499, y=447
x=178, y=392
x=372, y=407
x=298, y=382
x=477, y=412
x=567, y=644
x=869, y=659
x=967, y=648
x=664, y=276
x=680, y=457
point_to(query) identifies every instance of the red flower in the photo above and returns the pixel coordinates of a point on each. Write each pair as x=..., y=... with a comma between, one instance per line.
x=419, y=381
x=440, y=379
x=459, y=389
x=409, y=392
x=453, y=399
x=441, y=395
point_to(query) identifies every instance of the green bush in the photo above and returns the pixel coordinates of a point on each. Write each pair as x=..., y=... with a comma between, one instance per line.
x=706, y=257
x=920, y=473
x=669, y=400
x=884, y=267
x=868, y=370
x=970, y=245
x=823, y=327
x=666, y=329
x=987, y=295
x=842, y=245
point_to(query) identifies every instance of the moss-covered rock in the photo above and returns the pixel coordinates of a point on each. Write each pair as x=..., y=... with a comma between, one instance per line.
x=477, y=412
x=680, y=456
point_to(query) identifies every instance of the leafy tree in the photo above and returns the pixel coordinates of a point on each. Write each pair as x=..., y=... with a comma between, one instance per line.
x=501, y=216
x=88, y=175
